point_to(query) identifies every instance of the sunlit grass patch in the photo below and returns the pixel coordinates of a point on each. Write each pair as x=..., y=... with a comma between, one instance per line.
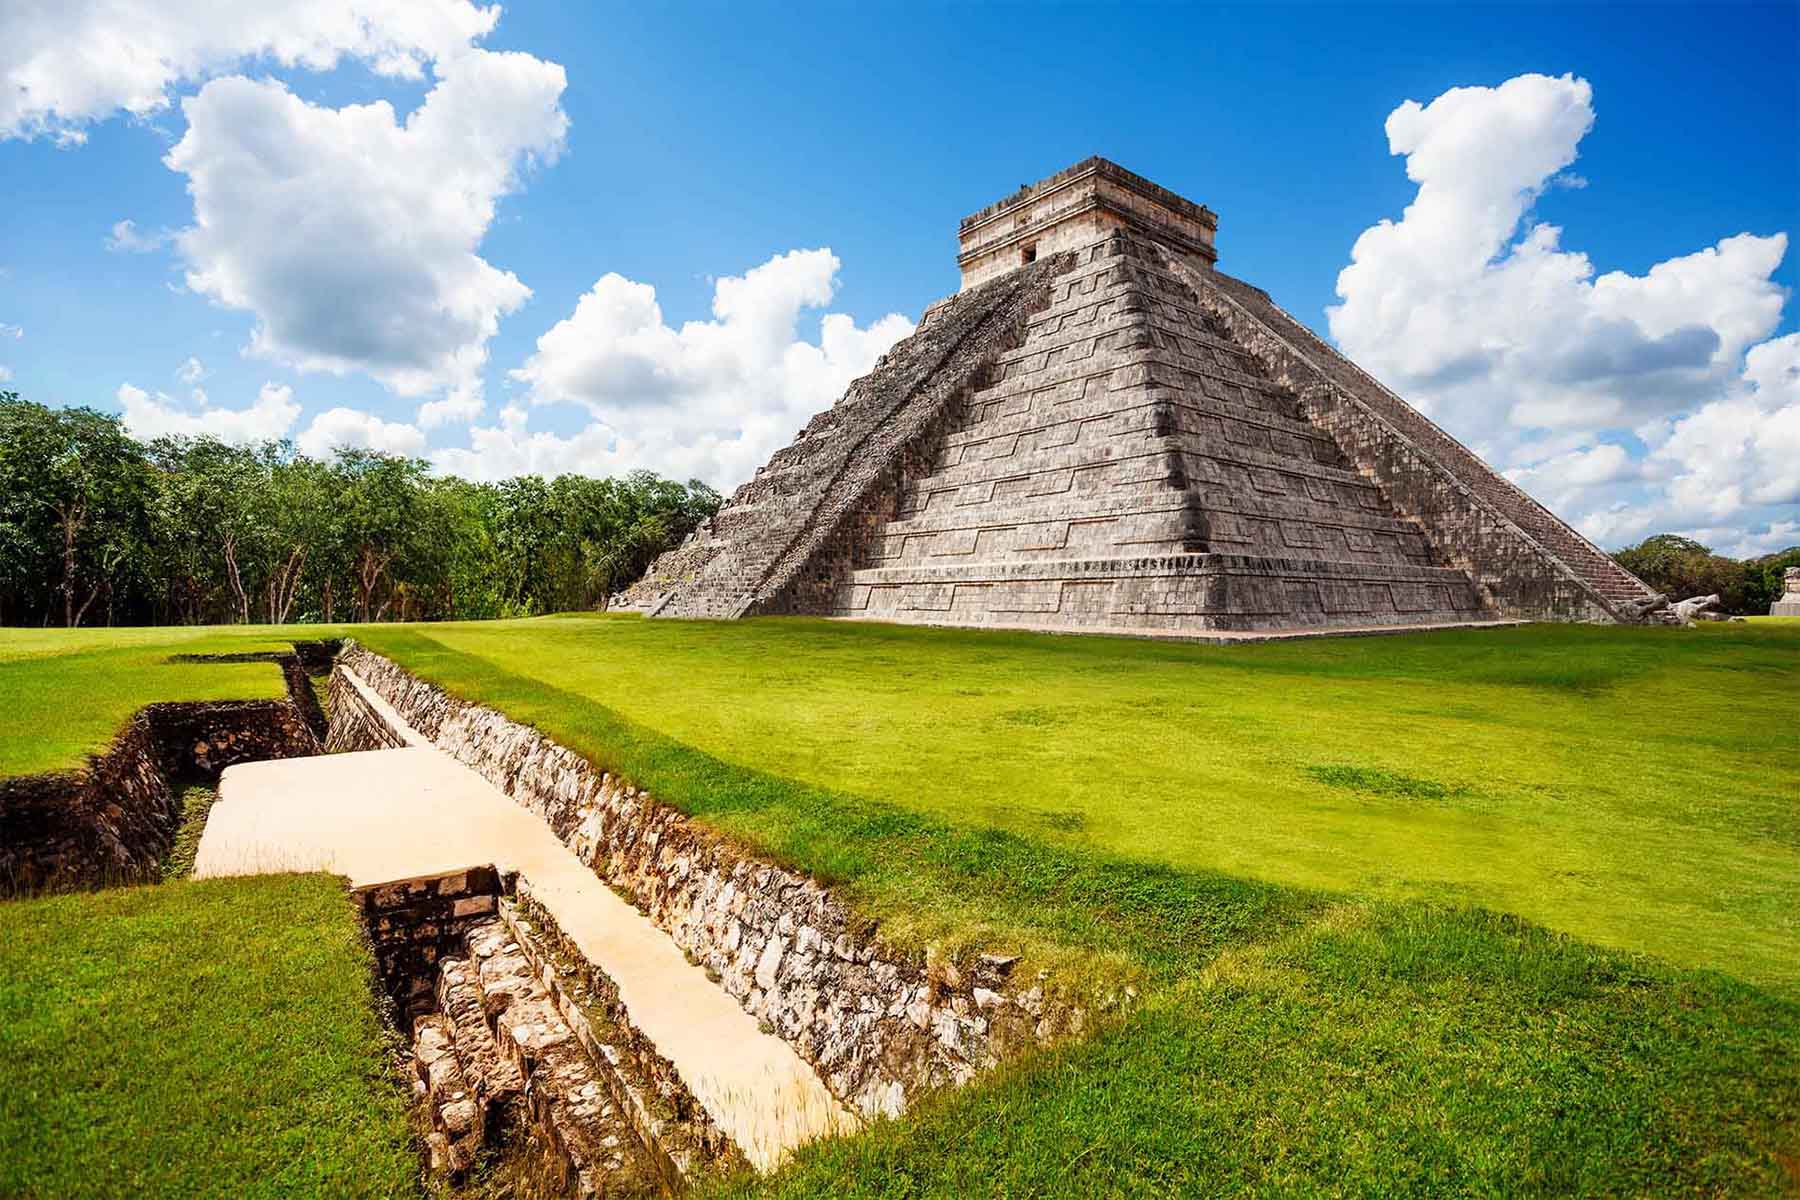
x=203, y=1038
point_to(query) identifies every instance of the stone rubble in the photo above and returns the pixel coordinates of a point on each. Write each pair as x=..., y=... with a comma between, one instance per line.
x=681, y=1134
x=499, y=1060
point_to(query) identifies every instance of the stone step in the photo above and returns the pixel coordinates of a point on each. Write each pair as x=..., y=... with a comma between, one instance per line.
x=566, y=1098
x=458, y=1123
x=460, y=1004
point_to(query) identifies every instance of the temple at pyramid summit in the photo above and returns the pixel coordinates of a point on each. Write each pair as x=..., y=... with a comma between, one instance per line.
x=1101, y=431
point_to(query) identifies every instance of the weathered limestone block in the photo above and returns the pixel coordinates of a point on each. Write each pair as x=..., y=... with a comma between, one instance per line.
x=669, y=1120
x=456, y=1112
x=565, y=1099
x=498, y=1061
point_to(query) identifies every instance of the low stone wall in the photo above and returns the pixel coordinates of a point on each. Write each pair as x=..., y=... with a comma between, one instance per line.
x=880, y=1027
x=413, y=923
x=112, y=821
x=354, y=724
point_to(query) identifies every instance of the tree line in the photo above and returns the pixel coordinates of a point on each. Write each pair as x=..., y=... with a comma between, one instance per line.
x=1679, y=567
x=97, y=527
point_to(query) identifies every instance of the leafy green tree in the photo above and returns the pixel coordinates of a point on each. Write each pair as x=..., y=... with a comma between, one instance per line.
x=76, y=471
x=377, y=503
x=193, y=529
x=1681, y=567
x=1765, y=578
x=27, y=565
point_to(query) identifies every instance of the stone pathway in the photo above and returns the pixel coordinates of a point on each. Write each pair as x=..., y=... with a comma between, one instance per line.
x=393, y=814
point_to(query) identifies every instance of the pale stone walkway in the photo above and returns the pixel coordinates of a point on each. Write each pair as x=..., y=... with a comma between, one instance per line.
x=393, y=814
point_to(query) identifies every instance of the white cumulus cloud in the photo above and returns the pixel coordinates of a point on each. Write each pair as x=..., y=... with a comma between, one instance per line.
x=1631, y=403
x=352, y=234
x=359, y=430
x=1739, y=452
x=192, y=371
x=270, y=415
x=69, y=63
x=708, y=399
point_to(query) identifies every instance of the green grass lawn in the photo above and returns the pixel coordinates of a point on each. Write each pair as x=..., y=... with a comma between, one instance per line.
x=65, y=693
x=1300, y=853
x=206, y=1038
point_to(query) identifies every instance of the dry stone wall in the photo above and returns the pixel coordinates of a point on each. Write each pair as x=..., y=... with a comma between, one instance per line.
x=355, y=725
x=681, y=1135
x=109, y=823
x=413, y=923
x=878, y=1025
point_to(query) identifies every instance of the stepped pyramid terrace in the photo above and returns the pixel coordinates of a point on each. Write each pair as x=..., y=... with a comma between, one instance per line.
x=1103, y=432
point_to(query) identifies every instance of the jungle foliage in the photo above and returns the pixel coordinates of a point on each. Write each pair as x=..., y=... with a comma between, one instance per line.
x=1680, y=567
x=99, y=528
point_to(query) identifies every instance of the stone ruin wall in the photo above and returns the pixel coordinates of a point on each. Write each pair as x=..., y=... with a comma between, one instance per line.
x=881, y=1027
x=413, y=923
x=355, y=724
x=114, y=820
x=1460, y=503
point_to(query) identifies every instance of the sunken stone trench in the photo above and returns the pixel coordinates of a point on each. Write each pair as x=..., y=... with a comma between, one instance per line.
x=881, y=1028
x=114, y=820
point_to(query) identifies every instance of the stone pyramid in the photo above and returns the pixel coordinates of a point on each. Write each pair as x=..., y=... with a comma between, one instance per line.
x=1103, y=432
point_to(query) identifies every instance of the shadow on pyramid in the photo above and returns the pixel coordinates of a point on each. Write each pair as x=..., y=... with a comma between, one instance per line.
x=1103, y=433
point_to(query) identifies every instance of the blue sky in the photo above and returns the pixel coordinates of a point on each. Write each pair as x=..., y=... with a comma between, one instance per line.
x=686, y=143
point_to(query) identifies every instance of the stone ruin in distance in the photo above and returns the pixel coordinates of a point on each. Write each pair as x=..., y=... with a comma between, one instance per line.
x=1101, y=431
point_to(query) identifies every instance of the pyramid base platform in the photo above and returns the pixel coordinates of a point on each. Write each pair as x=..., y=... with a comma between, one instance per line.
x=1170, y=595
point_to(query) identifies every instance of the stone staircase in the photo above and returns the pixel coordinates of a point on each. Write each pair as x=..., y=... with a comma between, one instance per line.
x=774, y=527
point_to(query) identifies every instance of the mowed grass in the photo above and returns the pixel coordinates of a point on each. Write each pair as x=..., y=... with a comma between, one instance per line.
x=204, y=1038
x=1639, y=788
x=64, y=693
